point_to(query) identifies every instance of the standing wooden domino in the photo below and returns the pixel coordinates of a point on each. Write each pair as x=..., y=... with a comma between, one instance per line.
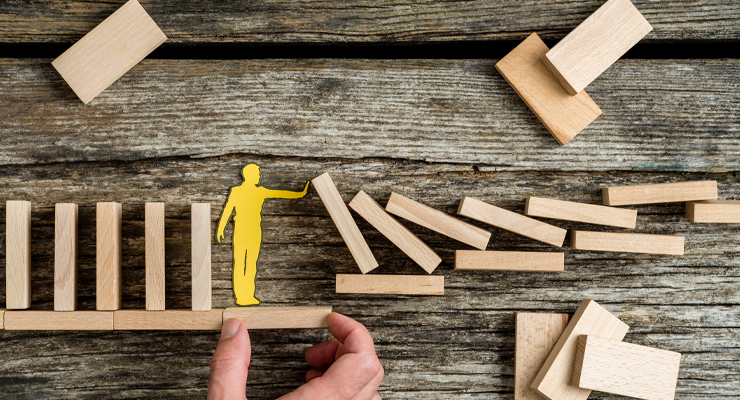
x=18, y=254
x=660, y=193
x=2, y=319
x=598, y=42
x=536, y=335
x=391, y=284
x=554, y=378
x=509, y=260
x=155, y=282
x=109, y=51
x=511, y=221
x=625, y=369
x=297, y=317
x=580, y=212
x=627, y=242
x=562, y=114
x=65, y=257
x=438, y=221
x=201, y=255
x=409, y=243
x=108, y=255
x=714, y=211
x=344, y=222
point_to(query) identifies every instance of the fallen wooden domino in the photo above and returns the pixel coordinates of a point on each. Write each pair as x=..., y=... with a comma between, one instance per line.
x=597, y=43
x=563, y=115
x=108, y=294
x=625, y=369
x=714, y=211
x=553, y=381
x=109, y=51
x=200, y=227
x=168, y=320
x=509, y=260
x=536, y=335
x=660, y=193
x=58, y=321
x=409, y=243
x=580, y=212
x=65, y=257
x=154, y=238
x=627, y=242
x=297, y=317
x=18, y=255
x=511, y=221
x=438, y=221
x=391, y=284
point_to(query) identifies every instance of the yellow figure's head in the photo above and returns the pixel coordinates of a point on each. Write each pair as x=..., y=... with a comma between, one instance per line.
x=251, y=174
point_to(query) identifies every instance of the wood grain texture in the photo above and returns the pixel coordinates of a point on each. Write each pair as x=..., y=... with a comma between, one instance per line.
x=155, y=256
x=65, y=257
x=660, y=193
x=58, y=320
x=17, y=254
x=713, y=211
x=536, y=335
x=291, y=317
x=626, y=369
x=108, y=256
x=200, y=242
x=509, y=260
x=390, y=284
x=168, y=320
x=627, y=242
x=580, y=212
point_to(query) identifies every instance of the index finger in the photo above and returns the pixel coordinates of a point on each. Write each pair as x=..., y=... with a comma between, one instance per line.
x=352, y=334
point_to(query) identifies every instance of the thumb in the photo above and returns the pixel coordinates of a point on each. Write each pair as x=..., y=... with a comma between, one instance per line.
x=230, y=363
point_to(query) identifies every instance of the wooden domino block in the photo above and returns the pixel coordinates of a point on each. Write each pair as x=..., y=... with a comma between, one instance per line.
x=65, y=257
x=297, y=317
x=536, y=335
x=562, y=114
x=580, y=212
x=625, y=369
x=109, y=51
x=391, y=284
x=18, y=255
x=627, y=242
x=597, y=43
x=554, y=378
x=660, y=193
x=509, y=260
x=438, y=221
x=155, y=283
x=714, y=211
x=58, y=321
x=511, y=221
x=108, y=254
x=168, y=320
x=344, y=222
x=2, y=319
x=201, y=255
x=409, y=243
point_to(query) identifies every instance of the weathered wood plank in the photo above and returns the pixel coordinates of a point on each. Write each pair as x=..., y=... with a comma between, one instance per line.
x=658, y=115
x=359, y=21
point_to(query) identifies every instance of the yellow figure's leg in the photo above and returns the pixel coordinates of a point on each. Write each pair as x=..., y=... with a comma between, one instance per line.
x=246, y=253
x=240, y=258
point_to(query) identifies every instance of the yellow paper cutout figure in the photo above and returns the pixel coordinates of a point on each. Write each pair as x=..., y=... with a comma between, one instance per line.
x=245, y=203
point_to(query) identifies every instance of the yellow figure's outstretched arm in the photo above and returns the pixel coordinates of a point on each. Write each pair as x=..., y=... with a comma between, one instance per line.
x=287, y=194
x=228, y=210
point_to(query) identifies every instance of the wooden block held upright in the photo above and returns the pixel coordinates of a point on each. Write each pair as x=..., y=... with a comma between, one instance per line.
x=438, y=221
x=626, y=369
x=598, y=42
x=511, y=221
x=627, y=242
x=344, y=222
x=201, y=255
x=660, y=193
x=297, y=317
x=553, y=380
x=65, y=257
x=109, y=51
x=714, y=211
x=562, y=114
x=168, y=320
x=391, y=284
x=108, y=254
x=18, y=255
x=395, y=232
x=509, y=260
x=580, y=212
x=59, y=321
x=155, y=282
x=536, y=335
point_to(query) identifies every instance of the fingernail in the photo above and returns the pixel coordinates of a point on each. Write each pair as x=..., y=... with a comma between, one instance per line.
x=230, y=328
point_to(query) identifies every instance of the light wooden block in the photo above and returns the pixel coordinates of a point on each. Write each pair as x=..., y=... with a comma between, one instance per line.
x=59, y=321
x=2, y=319
x=536, y=335
x=627, y=242
x=409, y=243
x=580, y=212
x=391, y=284
x=18, y=254
x=597, y=43
x=65, y=257
x=511, y=221
x=168, y=320
x=660, y=193
x=554, y=378
x=626, y=369
x=108, y=255
x=345, y=223
x=714, y=211
x=107, y=52
x=201, y=255
x=509, y=260
x=438, y=221
x=296, y=317
x=155, y=282
x=562, y=114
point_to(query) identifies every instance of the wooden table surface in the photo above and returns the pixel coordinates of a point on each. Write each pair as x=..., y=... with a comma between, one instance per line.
x=180, y=125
